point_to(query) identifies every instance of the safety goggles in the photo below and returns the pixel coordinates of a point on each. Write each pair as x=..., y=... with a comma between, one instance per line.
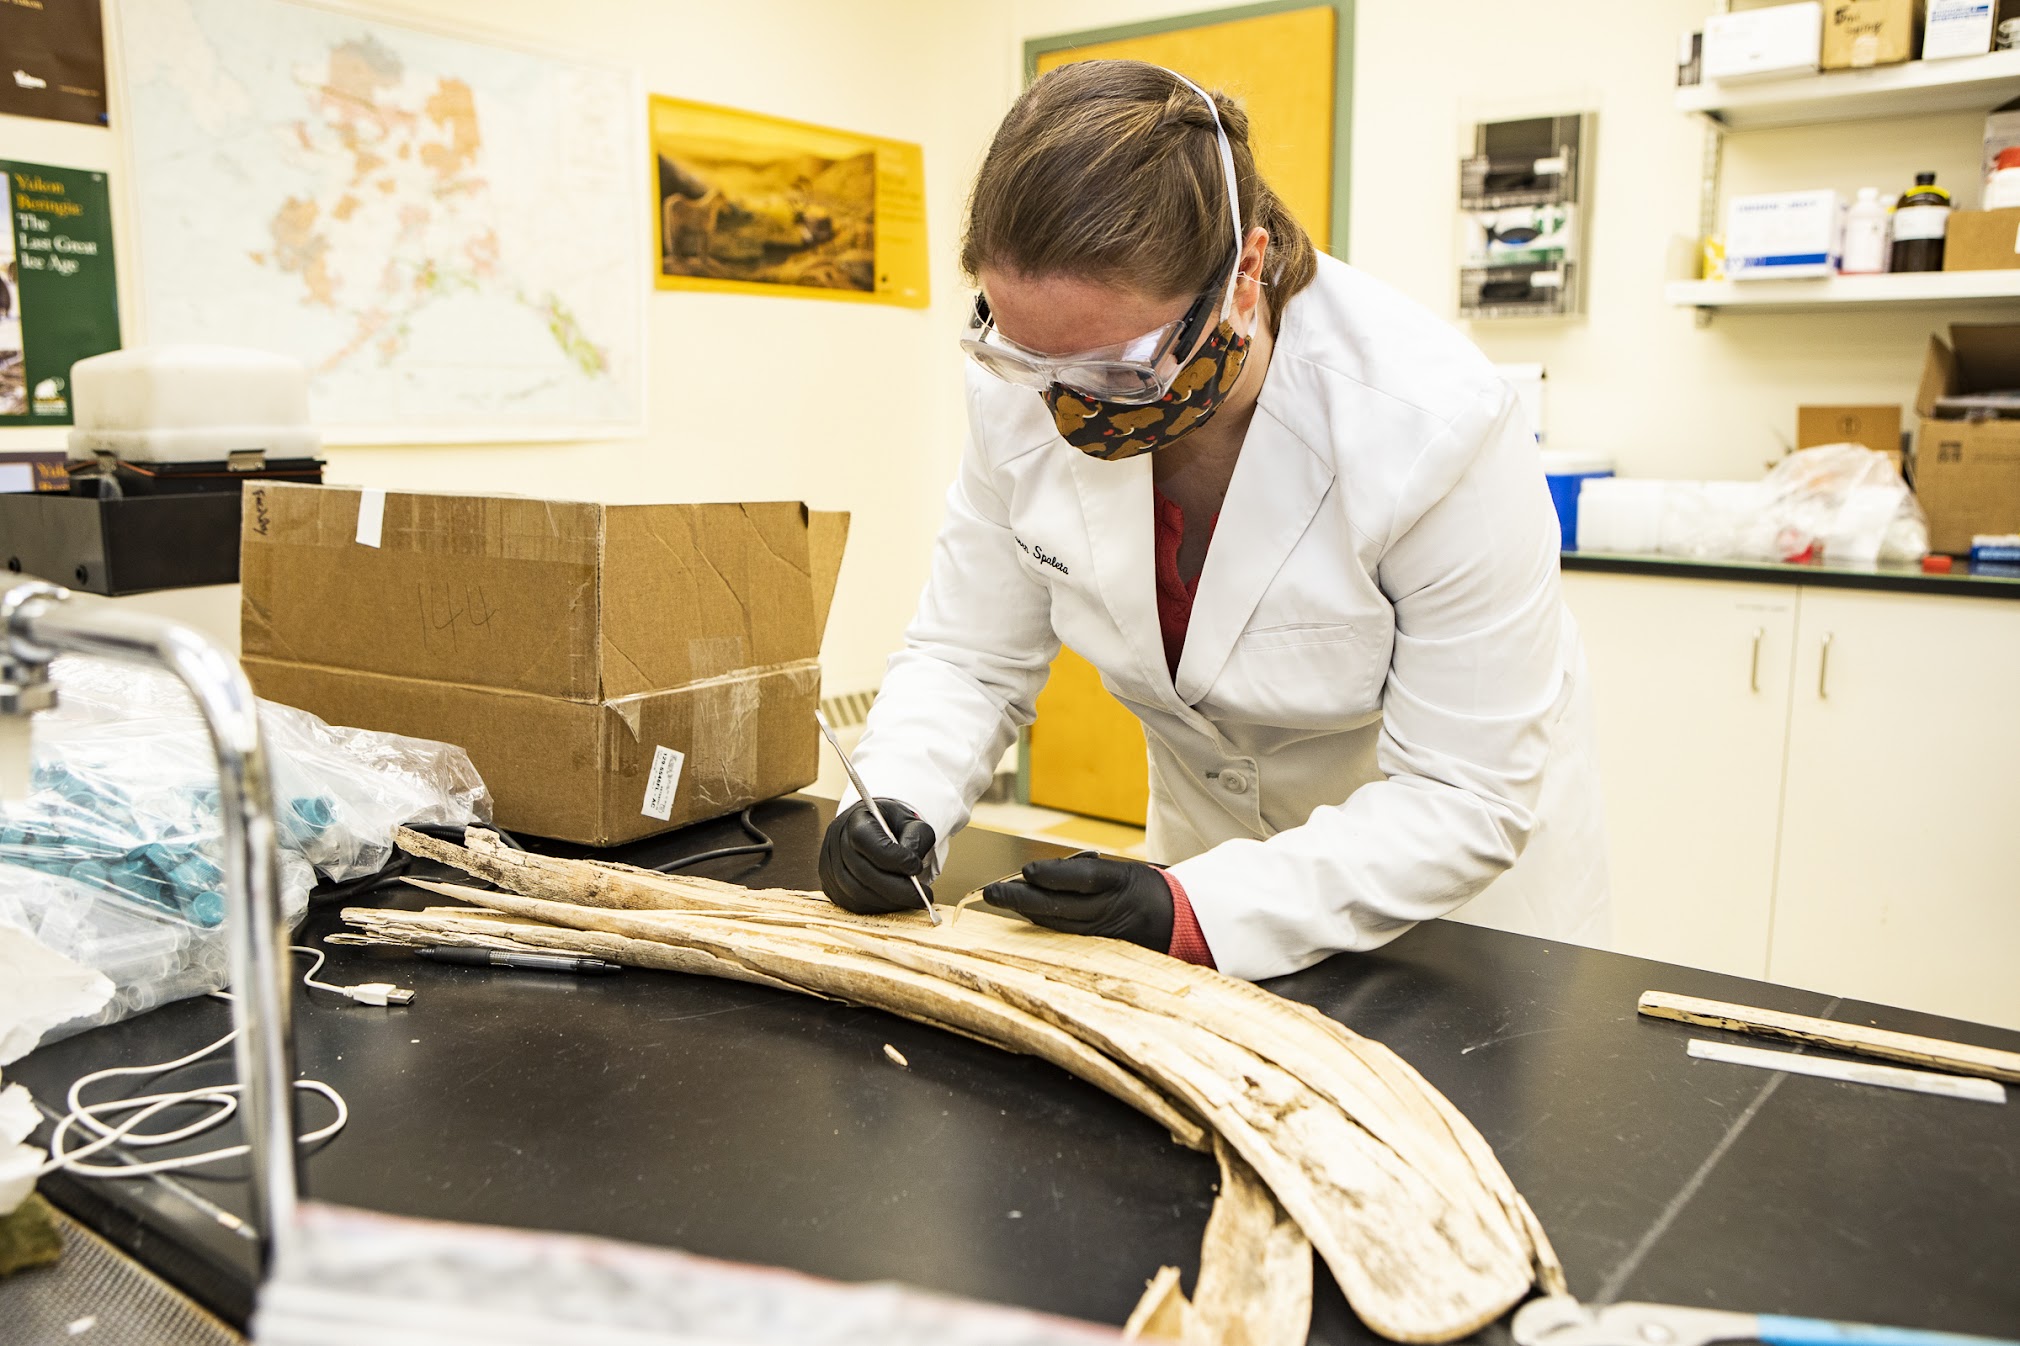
x=1129, y=372
x=1141, y=370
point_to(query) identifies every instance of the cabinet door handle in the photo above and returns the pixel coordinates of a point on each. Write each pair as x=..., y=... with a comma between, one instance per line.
x=1824, y=669
x=1753, y=677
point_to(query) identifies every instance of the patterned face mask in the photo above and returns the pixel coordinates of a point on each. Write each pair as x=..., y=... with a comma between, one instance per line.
x=1117, y=430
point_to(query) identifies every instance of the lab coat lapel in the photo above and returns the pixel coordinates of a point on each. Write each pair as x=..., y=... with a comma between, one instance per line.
x=1115, y=500
x=1276, y=489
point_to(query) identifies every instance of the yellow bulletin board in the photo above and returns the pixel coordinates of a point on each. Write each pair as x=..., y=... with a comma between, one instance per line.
x=1291, y=66
x=752, y=204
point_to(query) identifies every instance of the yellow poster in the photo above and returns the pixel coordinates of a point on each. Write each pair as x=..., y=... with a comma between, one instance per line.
x=760, y=205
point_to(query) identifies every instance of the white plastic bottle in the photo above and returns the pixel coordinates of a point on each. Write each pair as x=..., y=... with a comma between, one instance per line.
x=1866, y=240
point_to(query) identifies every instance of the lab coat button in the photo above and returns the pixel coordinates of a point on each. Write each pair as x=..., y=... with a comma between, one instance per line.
x=1234, y=782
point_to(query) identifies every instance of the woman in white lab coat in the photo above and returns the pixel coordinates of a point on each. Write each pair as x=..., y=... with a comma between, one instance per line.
x=1298, y=524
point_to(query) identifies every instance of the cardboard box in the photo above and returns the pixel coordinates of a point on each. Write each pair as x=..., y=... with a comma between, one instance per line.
x=1967, y=473
x=1982, y=240
x=1763, y=43
x=1861, y=33
x=1784, y=235
x=1957, y=28
x=613, y=670
x=1875, y=427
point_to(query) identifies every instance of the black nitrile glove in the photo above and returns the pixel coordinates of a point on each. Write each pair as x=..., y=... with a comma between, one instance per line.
x=861, y=871
x=1086, y=895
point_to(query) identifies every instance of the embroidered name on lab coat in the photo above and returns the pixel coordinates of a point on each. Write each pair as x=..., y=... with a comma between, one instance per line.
x=1041, y=556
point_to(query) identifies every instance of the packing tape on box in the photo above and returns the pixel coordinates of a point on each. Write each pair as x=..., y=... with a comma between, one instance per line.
x=725, y=715
x=705, y=653
x=722, y=766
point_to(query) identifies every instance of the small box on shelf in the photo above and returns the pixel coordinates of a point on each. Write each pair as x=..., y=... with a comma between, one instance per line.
x=1784, y=235
x=1958, y=28
x=1862, y=33
x=1983, y=240
x=1771, y=43
x=1876, y=427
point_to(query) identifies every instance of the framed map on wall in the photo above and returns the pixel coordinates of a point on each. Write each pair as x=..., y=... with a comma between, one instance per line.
x=443, y=230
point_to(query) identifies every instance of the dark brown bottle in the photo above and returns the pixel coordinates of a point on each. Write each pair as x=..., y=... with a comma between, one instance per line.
x=1921, y=221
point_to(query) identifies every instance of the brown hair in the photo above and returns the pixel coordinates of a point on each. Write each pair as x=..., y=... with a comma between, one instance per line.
x=1110, y=170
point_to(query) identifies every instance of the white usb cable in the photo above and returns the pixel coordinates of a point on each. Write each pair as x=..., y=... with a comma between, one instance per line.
x=221, y=1098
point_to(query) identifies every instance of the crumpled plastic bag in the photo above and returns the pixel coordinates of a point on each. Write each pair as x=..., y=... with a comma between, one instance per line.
x=1844, y=503
x=339, y=793
x=114, y=860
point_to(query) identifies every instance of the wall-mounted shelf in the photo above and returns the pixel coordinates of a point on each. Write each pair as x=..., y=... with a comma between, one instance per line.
x=1836, y=292
x=1963, y=84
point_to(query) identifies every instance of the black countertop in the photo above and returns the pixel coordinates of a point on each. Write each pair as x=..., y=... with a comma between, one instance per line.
x=752, y=1124
x=1985, y=580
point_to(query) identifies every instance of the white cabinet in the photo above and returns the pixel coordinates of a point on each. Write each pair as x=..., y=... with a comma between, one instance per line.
x=1690, y=682
x=1899, y=878
x=1845, y=821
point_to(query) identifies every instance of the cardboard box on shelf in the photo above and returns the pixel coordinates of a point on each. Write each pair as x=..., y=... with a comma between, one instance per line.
x=1778, y=41
x=1861, y=33
x=613, y=670
x=1967, y=473
x=1982, y=240
x=1876, y=427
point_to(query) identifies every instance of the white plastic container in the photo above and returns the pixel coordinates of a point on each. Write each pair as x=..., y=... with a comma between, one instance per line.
x=2002, y=192
x=191, y=404
x=1867, y=235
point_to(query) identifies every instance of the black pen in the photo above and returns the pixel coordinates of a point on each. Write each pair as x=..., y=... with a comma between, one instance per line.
x=525, y=962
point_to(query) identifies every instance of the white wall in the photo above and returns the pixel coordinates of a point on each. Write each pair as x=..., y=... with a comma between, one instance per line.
x=858, y=407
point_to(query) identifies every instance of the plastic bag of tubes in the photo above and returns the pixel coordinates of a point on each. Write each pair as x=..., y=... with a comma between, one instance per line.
x=1838, y=503
x=113, y=859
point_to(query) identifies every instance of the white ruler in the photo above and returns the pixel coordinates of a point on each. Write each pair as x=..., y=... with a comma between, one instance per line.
x=1855, y=1072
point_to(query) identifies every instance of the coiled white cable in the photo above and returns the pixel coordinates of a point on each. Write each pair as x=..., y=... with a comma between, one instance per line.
x=221, y=1098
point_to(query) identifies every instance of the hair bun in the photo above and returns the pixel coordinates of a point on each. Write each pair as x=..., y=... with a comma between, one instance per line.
x=1182, y=107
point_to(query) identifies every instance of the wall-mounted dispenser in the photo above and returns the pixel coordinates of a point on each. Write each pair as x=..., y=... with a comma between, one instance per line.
x=1524, y=201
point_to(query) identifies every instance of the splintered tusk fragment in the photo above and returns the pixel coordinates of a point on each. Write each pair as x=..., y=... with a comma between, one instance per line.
x=897, y=1057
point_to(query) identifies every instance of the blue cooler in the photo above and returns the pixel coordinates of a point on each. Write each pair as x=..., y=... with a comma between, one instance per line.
x=1567, y=474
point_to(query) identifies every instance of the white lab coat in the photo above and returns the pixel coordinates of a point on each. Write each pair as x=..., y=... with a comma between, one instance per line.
x=1381, y=708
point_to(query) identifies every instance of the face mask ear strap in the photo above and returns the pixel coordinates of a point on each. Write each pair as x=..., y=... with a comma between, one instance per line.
x=1227, y=172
